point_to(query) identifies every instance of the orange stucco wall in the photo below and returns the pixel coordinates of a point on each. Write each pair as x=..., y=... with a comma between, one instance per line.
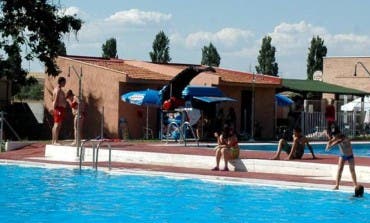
x=100, y=90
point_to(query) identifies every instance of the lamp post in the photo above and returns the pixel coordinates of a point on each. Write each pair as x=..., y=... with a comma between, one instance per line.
x=79, y=76
x=252, y=112
x=355, y=74
x=367, y=71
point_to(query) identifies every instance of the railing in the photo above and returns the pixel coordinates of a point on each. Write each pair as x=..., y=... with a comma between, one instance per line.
x=175, y=132
x=96, y=145
x=313, y=124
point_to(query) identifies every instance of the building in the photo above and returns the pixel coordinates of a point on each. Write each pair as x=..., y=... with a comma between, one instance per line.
x=350, y=72
x=105, y=80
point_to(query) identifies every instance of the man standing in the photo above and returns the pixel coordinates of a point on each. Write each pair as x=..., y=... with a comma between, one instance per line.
x=59, y=106
x=330, y=117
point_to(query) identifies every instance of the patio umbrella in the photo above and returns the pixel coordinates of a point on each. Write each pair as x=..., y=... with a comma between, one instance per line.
x=146, y=98
x=355, y=105
x=283, y=100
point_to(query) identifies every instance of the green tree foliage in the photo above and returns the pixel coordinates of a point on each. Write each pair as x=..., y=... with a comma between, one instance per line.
x=31, y=92
x=266, y=58
x=62, y=51
x=161, y=49
x=110, y=48
x=210, y=56
x=314, y=59
x=11, y=67
x=38, y=25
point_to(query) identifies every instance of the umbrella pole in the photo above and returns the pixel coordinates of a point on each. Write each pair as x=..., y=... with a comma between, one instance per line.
x=147, y=110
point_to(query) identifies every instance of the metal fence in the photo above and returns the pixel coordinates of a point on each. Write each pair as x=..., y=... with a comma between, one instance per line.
x=314, y=125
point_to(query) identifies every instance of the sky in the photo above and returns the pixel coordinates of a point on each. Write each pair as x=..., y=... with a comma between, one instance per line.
x=235, y=27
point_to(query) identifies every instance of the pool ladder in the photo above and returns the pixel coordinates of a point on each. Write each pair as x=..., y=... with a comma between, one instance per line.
x=96, y=145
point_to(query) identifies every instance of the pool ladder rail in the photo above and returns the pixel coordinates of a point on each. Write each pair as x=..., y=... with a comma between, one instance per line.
x=182, y=131
x=96, y=145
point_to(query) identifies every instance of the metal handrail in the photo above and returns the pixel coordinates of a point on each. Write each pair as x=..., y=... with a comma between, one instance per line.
x=97, y=154
x=95, y=148
x=184, y=127
x=82, y=151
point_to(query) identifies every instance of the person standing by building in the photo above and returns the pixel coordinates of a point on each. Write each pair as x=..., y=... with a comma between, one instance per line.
x=329, y=117
x=59, y=106
x=76, y=104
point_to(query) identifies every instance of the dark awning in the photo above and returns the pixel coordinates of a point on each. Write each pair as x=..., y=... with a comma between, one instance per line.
x=181, y=80
x=304, y=86
x=213, y=99
x=205, y=94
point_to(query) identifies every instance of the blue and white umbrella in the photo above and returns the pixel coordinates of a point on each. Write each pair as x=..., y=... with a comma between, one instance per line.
x=148, y=98
x=282, y=100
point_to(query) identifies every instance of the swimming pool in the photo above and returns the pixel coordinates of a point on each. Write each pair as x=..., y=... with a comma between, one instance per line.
x=62, y=195
x=359, y=149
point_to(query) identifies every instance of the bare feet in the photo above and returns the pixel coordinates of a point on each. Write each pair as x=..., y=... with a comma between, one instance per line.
x=225, y=169
x=56, y=144
x=275, y=158
x=336, y=187
x=215, y=168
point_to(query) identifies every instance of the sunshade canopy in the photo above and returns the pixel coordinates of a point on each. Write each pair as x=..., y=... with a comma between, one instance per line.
x=147, y=97
x=304, y=86
x=205, y=94
x=355, y=105
x=283, y=100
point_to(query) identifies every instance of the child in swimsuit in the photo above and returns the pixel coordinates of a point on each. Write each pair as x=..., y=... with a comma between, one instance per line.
x=295, y=151
x=345, y=148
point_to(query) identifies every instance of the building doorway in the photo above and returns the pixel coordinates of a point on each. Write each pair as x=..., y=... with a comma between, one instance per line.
x=246, y=112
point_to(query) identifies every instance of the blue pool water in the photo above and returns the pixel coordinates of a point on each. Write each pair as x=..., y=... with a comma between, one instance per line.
x=359, y=149
x=62, y=195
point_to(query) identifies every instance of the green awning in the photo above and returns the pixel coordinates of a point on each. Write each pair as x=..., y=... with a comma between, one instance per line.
x=304, y=86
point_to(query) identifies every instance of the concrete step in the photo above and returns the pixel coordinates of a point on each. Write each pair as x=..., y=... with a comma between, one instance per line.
x=312, y=170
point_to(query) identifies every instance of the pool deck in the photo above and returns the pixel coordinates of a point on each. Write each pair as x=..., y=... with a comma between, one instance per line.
x=177, y=160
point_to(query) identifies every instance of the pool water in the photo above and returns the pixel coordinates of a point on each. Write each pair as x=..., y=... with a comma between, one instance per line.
x=359, y=149
x=30, y=194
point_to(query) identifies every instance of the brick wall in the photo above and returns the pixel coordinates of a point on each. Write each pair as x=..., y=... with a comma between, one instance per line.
x=340, y=71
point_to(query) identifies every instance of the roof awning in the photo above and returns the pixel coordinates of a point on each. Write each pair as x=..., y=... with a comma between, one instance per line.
x=213, y=99
x=205, y=94
x=304, y=86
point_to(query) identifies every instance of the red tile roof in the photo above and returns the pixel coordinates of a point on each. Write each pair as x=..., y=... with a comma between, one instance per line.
x=148, y=72
x=244, y=77
x=120, y=65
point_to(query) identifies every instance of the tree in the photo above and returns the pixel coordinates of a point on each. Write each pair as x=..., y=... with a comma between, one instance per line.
x=266, y=58
x=161, y=49
x=110, y=48
x=39, y=26
x=314, y=59
x=210, y=56
x=11, y=67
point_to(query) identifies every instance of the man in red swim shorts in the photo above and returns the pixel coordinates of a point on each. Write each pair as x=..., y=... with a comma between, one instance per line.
x=59, y=105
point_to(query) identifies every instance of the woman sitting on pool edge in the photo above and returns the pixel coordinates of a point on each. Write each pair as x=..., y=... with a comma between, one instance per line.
x=227, y=147
x=295, y=151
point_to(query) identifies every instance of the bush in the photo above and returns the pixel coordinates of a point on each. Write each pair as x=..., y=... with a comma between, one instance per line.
x=31, y=92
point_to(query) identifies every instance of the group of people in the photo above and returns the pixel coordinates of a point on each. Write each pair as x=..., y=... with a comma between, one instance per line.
x=335, y=137
x=60, y=101
x=228, y=149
